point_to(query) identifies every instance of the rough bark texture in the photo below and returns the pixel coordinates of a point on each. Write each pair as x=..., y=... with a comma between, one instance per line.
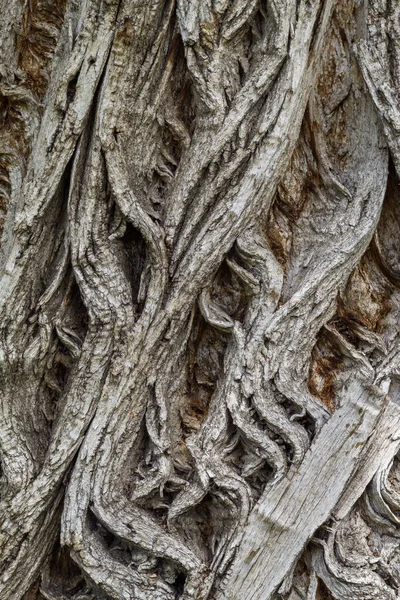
x=200, y=299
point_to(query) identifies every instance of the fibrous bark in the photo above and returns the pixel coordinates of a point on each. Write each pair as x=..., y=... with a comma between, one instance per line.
x=199, y=299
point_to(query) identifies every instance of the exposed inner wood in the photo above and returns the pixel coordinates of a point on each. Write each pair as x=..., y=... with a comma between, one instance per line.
x=199, y=300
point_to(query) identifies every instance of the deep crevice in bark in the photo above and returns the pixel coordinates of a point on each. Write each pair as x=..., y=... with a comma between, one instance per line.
x=220, y=290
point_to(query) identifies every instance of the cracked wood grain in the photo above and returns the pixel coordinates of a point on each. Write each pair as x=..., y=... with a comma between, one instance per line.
x=288, y=514
x=199, y=264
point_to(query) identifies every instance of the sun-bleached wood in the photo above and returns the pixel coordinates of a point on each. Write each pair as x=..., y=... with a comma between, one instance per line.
x=199, y=299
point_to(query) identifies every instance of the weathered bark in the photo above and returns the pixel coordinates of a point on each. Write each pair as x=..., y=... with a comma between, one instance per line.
x=200, y=299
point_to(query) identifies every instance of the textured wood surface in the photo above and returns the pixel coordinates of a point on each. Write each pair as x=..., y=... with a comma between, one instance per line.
x=199, y=299
x=288, y=514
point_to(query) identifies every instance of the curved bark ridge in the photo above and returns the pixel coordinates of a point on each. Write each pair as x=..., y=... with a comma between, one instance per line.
x=199, y=267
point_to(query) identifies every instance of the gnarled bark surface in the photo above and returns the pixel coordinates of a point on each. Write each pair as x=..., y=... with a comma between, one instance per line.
x=200, y=299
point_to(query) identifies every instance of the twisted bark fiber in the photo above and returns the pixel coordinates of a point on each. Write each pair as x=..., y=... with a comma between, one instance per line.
x=199, y=299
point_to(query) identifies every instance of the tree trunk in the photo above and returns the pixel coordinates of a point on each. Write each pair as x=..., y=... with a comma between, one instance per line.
x=200, y=299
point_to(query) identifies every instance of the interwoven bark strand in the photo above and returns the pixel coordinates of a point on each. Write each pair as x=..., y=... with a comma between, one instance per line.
x=199, y=300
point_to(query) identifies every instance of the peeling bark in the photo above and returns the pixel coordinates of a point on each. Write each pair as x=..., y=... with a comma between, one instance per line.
x=199, y=300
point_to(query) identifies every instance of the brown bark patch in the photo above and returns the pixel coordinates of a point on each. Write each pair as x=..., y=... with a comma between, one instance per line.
x=41, y=24
x=293, y=193
x=324, y=366
x=13, y=142
x=323, y=592
x=367, y=296
x=366, y=301
x=36, y=42
x=32, y=593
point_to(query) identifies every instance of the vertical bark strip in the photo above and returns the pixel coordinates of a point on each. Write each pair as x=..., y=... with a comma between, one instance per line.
x=199, y=300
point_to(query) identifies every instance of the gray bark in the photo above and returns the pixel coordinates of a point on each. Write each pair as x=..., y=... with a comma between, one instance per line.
x=200, y=299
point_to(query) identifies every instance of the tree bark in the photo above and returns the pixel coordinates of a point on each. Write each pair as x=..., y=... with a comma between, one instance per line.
x=200, y=299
